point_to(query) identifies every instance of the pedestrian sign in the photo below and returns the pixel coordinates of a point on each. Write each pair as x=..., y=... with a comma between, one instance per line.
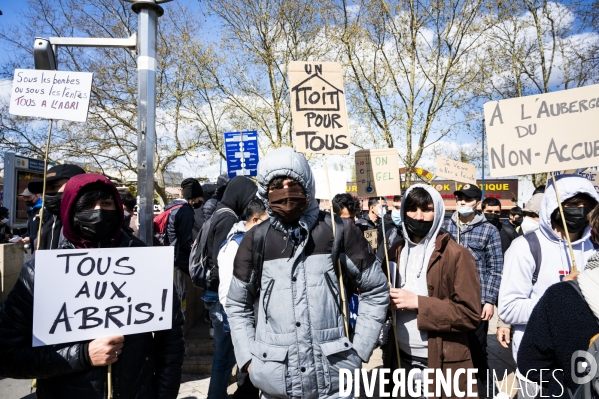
x=241, y=150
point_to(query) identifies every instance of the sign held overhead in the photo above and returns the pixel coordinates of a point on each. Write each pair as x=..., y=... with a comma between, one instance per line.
x=544, y=132
x=91, y=293
x=318, y=107
x=377, y=173
x=51, y=94
x=455, y=170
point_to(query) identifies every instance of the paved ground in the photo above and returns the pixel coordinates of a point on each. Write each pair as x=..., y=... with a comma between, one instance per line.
x=196, y=386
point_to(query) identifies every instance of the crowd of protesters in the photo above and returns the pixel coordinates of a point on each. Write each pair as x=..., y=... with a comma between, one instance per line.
x=277, y=265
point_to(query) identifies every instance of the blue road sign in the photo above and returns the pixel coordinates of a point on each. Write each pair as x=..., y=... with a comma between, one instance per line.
x=241, y=150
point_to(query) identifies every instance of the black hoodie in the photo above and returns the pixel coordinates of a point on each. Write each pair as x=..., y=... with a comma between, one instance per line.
x=239, y=193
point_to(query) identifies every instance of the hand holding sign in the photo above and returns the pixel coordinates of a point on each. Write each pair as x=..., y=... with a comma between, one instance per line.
x=106, y=350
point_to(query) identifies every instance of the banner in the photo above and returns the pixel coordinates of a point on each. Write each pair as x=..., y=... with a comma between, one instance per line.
x=91, y=293
x=544, y=132
x=318, y=107
x=377, y=173
x=455, y=170
x=51, y=94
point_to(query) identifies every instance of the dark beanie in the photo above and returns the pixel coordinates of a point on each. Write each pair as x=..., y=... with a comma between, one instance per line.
x=191, y=188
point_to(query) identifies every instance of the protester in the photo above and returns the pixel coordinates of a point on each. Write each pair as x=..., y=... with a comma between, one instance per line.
x=491, y=208
x=530, y=213
x=144, y=365
x=562, y=322
x=130, y=219
x=5, y=232
x=34, y=202
x=255, y=214
x=56, y=178
x=237, y=196
x=297, y=345
x=210, y=205
x=436, y=290
x=370, y=221
x=344, y=206
x=549, y=258
x=471, y=230
x=510, y=229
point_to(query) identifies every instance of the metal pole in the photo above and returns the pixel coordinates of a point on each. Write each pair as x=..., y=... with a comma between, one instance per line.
x=148, y=13
x=483, y=188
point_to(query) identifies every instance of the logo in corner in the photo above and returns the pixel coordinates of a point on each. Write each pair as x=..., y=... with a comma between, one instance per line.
x=583, y=367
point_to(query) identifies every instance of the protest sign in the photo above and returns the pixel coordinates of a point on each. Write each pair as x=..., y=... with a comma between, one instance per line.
x=455, y=170
x=377, y=173
x=318, y=107
x=544, y=132
x=371, y=237
x=91, y=293
x=51, y=94
x=336, y=178
x=593, y=177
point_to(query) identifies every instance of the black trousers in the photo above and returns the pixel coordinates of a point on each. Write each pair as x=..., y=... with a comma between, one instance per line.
x=245, y=388
x=477, y=341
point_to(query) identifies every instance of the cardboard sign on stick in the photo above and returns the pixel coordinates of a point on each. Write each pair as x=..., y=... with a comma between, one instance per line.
x=371, y=236
x=318, y=107
x=377, y=173
x=455, y=170
x=336, y=178
x=91, y=293
x=544, y=132
x=51, y=94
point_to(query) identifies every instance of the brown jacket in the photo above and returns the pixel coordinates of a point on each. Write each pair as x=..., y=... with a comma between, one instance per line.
x=451, y=308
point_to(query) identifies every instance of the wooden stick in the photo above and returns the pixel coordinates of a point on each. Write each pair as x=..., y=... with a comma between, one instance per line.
x=41, y=214
x=457, y=216
x=391, y=286
x=341, y=285
x=561, y=211
x=109, y=382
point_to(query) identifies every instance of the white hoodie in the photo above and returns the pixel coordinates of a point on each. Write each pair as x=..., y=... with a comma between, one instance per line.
x=517, y=295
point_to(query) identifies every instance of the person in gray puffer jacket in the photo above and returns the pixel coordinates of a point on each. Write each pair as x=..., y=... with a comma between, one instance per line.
x=297, y=345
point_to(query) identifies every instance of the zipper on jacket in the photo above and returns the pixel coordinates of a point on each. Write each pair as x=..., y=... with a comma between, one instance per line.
x=267, y=292
x=331, y=285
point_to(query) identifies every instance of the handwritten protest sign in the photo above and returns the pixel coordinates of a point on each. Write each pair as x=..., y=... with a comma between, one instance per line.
x=455, y=170
x=318, y=107
x=336, y=178
x=92, y=293
x=371, y=237
x=51, y=94
x=593, y=177
x=377, y=173
x=543, y=133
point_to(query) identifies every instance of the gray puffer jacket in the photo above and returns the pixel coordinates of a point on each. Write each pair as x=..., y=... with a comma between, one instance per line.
x=297, y=344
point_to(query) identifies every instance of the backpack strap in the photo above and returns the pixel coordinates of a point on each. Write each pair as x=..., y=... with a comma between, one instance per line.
x=260, y=232
x=535, y=250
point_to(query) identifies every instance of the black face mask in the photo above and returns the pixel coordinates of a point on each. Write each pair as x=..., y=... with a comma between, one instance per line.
x=96, y=225
x=517, y=221
x=197, y=205
x=417, y=228
x=492, y=218
x=52, y=203
x=576, y=218
x=30, y=203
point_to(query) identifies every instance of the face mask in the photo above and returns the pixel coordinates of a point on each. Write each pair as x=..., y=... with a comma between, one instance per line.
x=517, y=221
x=465, y=210
x=396, y=216
x=492, y=218
x=4, y=221
x=96, y=225
x=529, y=225
x=576, y=218
x=288, y=203
x=52, y=203
x=30, y=203
x=197, y=205
x=418, y=228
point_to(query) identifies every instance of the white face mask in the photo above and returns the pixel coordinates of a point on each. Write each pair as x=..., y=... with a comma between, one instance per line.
x=465, y=210
x=5, y=221
x=529, y=225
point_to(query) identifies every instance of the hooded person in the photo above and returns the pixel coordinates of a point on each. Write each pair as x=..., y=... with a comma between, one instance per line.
x=519, y=294
x=435, y=291
x=146, y=365
x=295, y=345
x=56, y=179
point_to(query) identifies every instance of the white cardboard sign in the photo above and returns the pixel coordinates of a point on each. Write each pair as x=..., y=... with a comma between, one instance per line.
x=455, y=170
x=85, y=294
x=544, y=132
x=51, y=94
x=377, y=172
x=318, y=107
x=337, y=180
